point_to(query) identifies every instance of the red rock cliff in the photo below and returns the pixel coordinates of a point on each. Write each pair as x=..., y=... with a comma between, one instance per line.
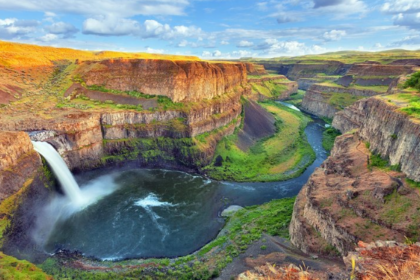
x=178, y=80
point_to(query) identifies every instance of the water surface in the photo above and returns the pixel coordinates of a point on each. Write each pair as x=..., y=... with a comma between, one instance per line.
x=161, y=213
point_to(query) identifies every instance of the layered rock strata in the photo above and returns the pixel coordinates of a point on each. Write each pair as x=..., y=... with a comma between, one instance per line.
x=18, y=162
x=179, y=80
x=345, y=201
x=391, y=133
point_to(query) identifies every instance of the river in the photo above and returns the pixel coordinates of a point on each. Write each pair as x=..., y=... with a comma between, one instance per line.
x=162, y=213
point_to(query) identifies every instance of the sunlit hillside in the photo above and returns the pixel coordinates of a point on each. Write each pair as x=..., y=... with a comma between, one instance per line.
x=384, y=57
x=24, y=55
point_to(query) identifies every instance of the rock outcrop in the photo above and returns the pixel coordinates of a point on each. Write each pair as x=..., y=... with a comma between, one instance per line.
x=345, y=201
x=325, y=100
x=179, y=80
x=18, y=162
x=276, y=87
x=375, y=70
x=306, y=69
x=390, y=133
x=316, y=103
x=255, y=69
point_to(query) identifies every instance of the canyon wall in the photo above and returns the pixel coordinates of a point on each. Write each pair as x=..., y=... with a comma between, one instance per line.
x=316, y=103
x=325, y=100
x=390, y=133
x=18, y=162
x=91, y=138
x=255, y=69
x=345, y=201
x=276, y=87
x=179, y=80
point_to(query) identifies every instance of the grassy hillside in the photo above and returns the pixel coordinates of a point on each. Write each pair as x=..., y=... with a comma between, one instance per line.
x=384, y=57
x=24, y=55
x=281, y=156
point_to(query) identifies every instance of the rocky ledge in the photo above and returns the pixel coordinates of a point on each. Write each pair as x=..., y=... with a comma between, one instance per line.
x=391, y=133
x=347, y=200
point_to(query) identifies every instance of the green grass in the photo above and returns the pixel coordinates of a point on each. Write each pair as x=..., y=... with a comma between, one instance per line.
x=270, y=89
x=340, y=100
x=242, y=229
x=408, y=101
x=413, y=81
x=348, y=57
x=378, y=89
x=328, y=138
x=296, y=98
x=283, y=156
x=14, y=269
x=376, y=160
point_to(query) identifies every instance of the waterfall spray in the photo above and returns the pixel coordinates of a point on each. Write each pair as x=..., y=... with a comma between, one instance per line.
x=61, y=171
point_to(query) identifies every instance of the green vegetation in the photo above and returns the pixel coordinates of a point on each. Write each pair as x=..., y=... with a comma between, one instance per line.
x=188, y=151
x=340, y=100
x=412, y=183
x=413, y=81
x=284, y=155
x=379, y=89
x=348, y=57
x=242, y=229
x=296, y=98
x=328, y=138
x=270, y=89
x=408, y=101
x=13, y=269
x=375, y=160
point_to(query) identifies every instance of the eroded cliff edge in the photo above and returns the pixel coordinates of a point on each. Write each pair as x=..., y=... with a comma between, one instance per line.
x=391, y=133
x=366, y=189
x=347, y=200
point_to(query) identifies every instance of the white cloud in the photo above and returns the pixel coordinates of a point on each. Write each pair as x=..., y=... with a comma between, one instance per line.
x=245, y=44
x=273, y=47
x=411, y=21
x=110, y=25
x=378, y=46
x=340, y=8
x=11, y=28
x=213, y=54
x=151, y=50
x=326, y=3
x=48, y=37
x=66, y=29
x=334, y=35
x=223, y=42
x=121, y=8
x=401, y=6
x=183, y=43
x=262, y=6
x=285, y=18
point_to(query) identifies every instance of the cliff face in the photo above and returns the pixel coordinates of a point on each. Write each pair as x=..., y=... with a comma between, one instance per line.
x=255, y=69
x=273, y=87
x=299, y=70
x=18, y=162
x=178, y=80
x=390, y=133
x=325, y=100
x=345, y=201
x=379, y=70
x=317, y=103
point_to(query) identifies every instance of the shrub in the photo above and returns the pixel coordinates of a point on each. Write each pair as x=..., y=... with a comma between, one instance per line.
x=413, y=81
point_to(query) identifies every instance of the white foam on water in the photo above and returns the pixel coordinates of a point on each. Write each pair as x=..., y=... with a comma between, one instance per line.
x=152, y=201
x=291, y=106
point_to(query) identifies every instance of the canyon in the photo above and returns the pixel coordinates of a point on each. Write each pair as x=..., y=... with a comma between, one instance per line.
x=104, y=111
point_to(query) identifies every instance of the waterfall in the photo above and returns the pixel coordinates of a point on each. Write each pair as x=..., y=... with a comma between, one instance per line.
x=61, y=171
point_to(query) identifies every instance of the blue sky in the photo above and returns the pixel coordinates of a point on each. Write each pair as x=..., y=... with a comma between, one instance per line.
x=214, y=29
